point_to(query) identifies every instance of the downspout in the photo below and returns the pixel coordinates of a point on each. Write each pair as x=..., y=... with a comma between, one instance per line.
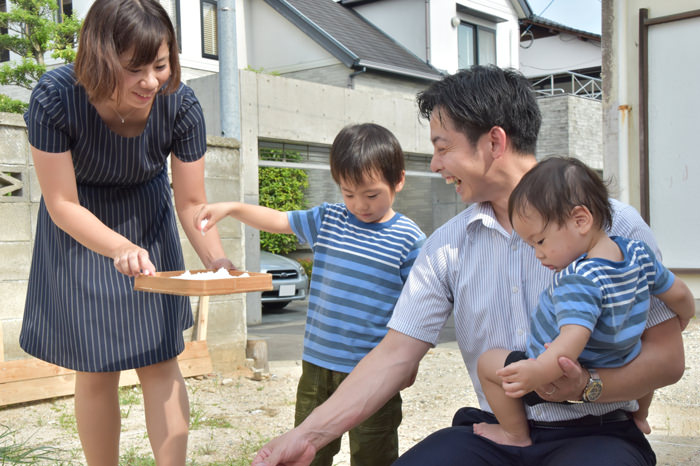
x=230, y=112
x=351, y=77
x=624, y=110
x=428, y=58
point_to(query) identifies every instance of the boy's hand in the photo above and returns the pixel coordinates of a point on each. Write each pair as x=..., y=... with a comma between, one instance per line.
x=208, y=215
x=519, y=378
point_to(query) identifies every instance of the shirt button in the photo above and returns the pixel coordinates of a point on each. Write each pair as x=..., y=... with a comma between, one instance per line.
x=521, y=332
x=515, y=289
x=514, y=247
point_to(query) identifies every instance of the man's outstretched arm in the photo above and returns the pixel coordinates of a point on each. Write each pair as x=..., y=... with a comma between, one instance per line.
x=390, y=367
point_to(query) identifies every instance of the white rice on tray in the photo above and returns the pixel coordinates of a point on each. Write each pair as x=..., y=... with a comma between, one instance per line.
x=221, y=273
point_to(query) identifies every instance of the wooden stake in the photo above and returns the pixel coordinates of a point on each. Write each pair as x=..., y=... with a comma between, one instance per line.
x=202, y=318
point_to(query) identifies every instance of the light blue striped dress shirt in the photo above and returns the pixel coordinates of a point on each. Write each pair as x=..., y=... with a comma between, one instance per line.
x=492, y=280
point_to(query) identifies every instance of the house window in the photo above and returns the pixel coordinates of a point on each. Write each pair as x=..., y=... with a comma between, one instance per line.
x=65, y=8
x=477, y=45
x=4, y=53
x=210, y=42
x=172, y=7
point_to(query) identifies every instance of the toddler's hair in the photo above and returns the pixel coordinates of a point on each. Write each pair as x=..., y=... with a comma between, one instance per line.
x=362, y=151
x=558, y=184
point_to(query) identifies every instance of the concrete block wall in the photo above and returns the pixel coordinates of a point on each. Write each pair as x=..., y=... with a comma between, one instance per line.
x=18, y=207
x=571, y=126
x=17, y=214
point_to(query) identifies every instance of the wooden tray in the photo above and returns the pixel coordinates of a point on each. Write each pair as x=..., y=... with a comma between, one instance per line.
x=163, y=282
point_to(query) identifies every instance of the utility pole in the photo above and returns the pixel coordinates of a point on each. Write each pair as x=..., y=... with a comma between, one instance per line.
x=229, y=110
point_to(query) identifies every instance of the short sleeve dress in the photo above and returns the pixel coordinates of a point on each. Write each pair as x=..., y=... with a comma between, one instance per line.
x=81, y=313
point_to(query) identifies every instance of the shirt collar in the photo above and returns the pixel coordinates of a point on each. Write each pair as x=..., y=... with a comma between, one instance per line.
x=482, y=214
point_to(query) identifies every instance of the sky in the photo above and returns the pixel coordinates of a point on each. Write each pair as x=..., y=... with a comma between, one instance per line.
x=578, y=14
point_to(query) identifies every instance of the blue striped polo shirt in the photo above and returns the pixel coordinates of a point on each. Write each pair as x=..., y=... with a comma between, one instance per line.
x=358, y=272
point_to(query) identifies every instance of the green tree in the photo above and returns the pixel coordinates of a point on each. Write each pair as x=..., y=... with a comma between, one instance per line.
x=281, y=188
x=33, y=31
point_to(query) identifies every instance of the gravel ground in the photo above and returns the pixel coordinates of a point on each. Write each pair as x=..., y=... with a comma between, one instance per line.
x=232, y=415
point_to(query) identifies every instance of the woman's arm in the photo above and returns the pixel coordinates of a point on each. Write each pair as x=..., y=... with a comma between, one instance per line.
x=56, y=177
x=190, y=196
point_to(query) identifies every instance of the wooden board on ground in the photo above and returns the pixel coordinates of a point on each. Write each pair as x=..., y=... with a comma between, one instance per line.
x=163, y=282
x=32, y=379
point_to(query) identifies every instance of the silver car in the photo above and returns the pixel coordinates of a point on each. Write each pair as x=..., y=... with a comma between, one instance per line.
x=289, y=280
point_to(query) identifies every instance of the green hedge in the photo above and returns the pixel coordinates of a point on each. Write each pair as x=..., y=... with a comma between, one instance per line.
x=10, y=105
x=281, y=189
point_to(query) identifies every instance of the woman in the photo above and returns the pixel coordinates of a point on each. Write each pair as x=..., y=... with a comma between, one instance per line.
x=100, y=134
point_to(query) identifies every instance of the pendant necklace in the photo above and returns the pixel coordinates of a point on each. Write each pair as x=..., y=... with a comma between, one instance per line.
x=123, y=118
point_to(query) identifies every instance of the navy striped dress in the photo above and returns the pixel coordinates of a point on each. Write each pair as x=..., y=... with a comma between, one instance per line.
x=81, y=313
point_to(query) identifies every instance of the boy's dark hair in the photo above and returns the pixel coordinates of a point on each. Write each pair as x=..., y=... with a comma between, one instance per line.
x=481, y=97
x=365, y=150
x=558, y=184
x=113, y=27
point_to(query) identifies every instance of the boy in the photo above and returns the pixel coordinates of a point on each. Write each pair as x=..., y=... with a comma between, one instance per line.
x=363, y=251
x=594, y=311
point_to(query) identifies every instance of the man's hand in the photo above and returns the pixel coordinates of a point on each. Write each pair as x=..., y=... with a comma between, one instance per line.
x=289, y=449
x=569, y=386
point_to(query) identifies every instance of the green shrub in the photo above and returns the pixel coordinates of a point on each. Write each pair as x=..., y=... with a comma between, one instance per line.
x=10, y=105
x=281, y=189
x=307, y=265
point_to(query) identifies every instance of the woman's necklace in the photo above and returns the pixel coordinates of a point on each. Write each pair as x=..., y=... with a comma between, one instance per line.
x=123, y=118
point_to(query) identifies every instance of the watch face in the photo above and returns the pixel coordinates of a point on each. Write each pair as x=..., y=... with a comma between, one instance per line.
x=593, y=391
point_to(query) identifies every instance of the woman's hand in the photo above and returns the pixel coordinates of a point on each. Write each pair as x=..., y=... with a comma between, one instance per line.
x=222, y=262
x=132, y=260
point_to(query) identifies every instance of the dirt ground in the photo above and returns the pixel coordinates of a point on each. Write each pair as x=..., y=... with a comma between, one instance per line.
x=232, y=415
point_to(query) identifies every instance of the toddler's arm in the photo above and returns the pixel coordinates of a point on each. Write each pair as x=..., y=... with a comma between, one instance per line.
x=256, y=216
x=679, y=298
x=523, y=377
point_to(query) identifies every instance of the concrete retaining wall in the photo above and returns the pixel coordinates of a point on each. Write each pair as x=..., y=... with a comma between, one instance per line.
x=18, y=207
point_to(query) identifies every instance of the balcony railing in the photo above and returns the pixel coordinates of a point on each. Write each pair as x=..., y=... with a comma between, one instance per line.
x=569, y=83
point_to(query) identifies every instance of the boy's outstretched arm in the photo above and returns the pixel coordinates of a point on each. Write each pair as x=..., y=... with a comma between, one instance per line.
x=681, y=301
x=256, y=216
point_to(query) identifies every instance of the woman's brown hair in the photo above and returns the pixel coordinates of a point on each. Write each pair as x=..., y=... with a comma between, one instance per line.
x=113, y=27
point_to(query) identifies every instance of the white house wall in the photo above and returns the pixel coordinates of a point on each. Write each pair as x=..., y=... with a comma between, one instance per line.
x=402, y=20
x=274, y=44
x=405, y=22
x=444, y=44
x=554, y=54
x=621, y=90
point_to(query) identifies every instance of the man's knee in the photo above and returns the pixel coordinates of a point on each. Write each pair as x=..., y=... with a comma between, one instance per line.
x=451, y=446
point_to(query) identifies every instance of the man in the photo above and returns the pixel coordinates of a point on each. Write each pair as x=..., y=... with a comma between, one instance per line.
x=484, y=124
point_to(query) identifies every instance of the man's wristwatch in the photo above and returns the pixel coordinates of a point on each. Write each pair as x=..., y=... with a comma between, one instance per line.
x=593, y=388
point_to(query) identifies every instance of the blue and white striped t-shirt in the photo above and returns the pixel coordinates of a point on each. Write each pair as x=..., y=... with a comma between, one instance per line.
x=609, y=298
x=358, y=272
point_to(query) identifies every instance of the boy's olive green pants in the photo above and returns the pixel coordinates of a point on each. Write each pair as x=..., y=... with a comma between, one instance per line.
x=375, y=442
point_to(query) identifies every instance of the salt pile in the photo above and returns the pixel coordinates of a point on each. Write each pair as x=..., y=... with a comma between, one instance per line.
x=221, y=273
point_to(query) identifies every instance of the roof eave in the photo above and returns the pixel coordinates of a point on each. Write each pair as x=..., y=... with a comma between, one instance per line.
x=321, y=37
x=398, y=70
